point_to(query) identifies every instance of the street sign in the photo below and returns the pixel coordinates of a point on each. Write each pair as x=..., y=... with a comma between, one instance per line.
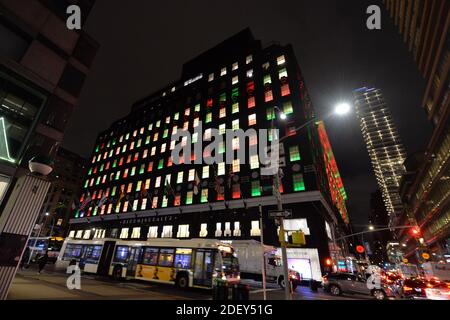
x=280, y=214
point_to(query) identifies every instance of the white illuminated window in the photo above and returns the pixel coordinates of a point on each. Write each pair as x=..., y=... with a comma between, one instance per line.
x=205, y=172
x=254, y=162
x=255, y=231
x=72, y=234
x=207, y=134
x=222, y=112
x=281, y=60
x=183, y=231
x=203, y=230
x=124, y=233
x=221, y=169
x=163, y=148
x=167, y=232
x=87, y=234
x=235, y=143
x=196, y=121
x=152, y=232
x=248, y=59
x=236, y=165
x=237, y=229
x=227, y=232
x=158, y=182
x=144, y=204
x=79, y=234
x=155, y=202
x=328, y=229
x=252, y=119
x=135, y=204
x=153, y=152
x=235, y=66
x=218, y=229
x=136, y=233
x=125, y=206
x=180, y=177
x=296, y=225
x=235, y=80
x=222, y=128
x=235, y=124
x=223, y=71
x=191, y=176
x=211, y=77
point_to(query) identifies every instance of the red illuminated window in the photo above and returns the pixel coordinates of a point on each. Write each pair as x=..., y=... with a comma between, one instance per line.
x=236, y=192
x=268, y=96
x=250, y=88
x=121, y=161
x=285, y=90
x=169, y=162
x=136, y=156
x=290, y=131
x=251, y=102
x=95, y=170
x=150, y=167
x=129, y=158
x=177, y=201
x=209, y=103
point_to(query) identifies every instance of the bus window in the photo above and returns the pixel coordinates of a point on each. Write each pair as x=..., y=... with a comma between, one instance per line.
x=121, y=254
x=92, y=253
x=166, y=257
x=73, y=251
x=230, y=262
x=183, y=258
x=150, y=256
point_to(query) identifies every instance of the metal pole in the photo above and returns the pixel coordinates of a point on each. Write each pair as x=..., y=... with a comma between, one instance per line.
x=263, y=269
x=35, y=242
x=276, y=187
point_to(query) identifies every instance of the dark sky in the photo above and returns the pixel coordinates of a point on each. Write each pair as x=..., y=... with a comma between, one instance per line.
x=144, y=44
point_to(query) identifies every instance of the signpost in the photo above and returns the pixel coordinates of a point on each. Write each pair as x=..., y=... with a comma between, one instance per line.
x=280, y=213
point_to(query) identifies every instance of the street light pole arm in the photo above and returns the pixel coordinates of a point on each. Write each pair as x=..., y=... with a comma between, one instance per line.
x=374, y=230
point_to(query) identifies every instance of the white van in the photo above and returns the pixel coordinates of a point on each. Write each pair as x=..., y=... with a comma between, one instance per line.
x=250, y=255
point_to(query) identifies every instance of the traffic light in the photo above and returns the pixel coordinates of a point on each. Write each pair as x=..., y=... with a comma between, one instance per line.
x=415, y=232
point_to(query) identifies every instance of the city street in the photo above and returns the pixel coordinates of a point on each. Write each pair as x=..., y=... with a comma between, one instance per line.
x=28, y=285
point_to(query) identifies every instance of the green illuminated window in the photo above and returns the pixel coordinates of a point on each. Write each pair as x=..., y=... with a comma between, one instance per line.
x=256, y=188
x=127, y=136
x=166, y=133
x=113, y=192
x=298, y=182
x=164, y=202
x=114, y=141
x=147, y=140
x=270, y=114
x=189, y=197
x=90, y=172
x=158, y=123
x=287, y=107
x=114, y=163
x=97, y=148
x=138, y=144
x=267, y=79
x=294, y=153
x=142, y=169
x=223, y=97
x=208, y=117
x=161, y=164
x=197, y=107
x=177, y=116
x=235, y=94
x=102, y=167
x=235, y=107
x=195, y=137
x=204, y=197
x=86, y=183
x=138, y=186
x=94, y=213
x=118, y=175
x=133, y=171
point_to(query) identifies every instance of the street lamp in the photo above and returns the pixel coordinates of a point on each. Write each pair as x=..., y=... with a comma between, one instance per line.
x=276, y=188
x=371, y=228
x=342, y=108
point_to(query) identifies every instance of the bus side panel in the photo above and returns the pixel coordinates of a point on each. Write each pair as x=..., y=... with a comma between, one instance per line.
x=106, y=258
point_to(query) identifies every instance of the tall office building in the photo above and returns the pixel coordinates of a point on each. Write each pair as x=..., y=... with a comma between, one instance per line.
x=134, y=190
x=424, y=26
x=43, y=66
x=383, y=144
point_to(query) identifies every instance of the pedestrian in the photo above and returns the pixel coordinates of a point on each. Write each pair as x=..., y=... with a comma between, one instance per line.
x=42, y=261
x=25, y=257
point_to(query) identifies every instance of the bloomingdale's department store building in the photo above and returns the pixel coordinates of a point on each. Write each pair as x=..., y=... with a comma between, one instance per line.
x=134, y=191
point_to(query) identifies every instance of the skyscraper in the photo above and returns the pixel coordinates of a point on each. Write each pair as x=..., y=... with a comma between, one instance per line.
x=134, y=189
x=383, y=143
x=425, y=27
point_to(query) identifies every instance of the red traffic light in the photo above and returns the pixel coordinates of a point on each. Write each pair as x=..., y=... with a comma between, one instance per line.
x=415, y=231
x=360, y=249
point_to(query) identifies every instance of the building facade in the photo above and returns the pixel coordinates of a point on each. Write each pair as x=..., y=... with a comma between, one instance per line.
x=43, y=66
x=383, y=143
x=424, y=26
x=379, y=218
x=134, y=190
x=68, y=175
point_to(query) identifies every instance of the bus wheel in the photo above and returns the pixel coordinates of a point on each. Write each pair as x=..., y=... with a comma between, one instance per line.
x=182, y=281
x=117, y=273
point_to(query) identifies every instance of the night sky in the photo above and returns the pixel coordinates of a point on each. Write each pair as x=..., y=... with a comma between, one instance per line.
x=144, y=44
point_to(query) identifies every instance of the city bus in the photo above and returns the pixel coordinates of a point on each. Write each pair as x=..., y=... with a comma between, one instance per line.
x=39, y=245
x=185, y=263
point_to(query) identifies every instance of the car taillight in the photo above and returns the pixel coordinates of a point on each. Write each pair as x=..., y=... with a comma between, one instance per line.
x=406, y=288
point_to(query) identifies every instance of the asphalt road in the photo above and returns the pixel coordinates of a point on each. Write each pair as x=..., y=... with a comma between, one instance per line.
x=28, y=285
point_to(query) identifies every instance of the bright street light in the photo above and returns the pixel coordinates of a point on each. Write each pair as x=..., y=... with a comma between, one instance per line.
x=342, y=108
x=371, y=228
x=47, y=214
x=283, y=116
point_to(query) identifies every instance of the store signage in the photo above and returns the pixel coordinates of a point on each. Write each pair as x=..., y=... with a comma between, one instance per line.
x=280, y=214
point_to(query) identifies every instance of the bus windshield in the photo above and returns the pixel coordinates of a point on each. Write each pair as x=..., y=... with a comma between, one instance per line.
x=230, y=262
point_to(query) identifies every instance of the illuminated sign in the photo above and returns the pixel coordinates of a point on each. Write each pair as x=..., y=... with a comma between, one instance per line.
x=4, y=149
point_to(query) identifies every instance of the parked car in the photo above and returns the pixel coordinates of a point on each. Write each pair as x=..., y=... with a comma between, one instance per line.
x=341, y=283
x=438, y=291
